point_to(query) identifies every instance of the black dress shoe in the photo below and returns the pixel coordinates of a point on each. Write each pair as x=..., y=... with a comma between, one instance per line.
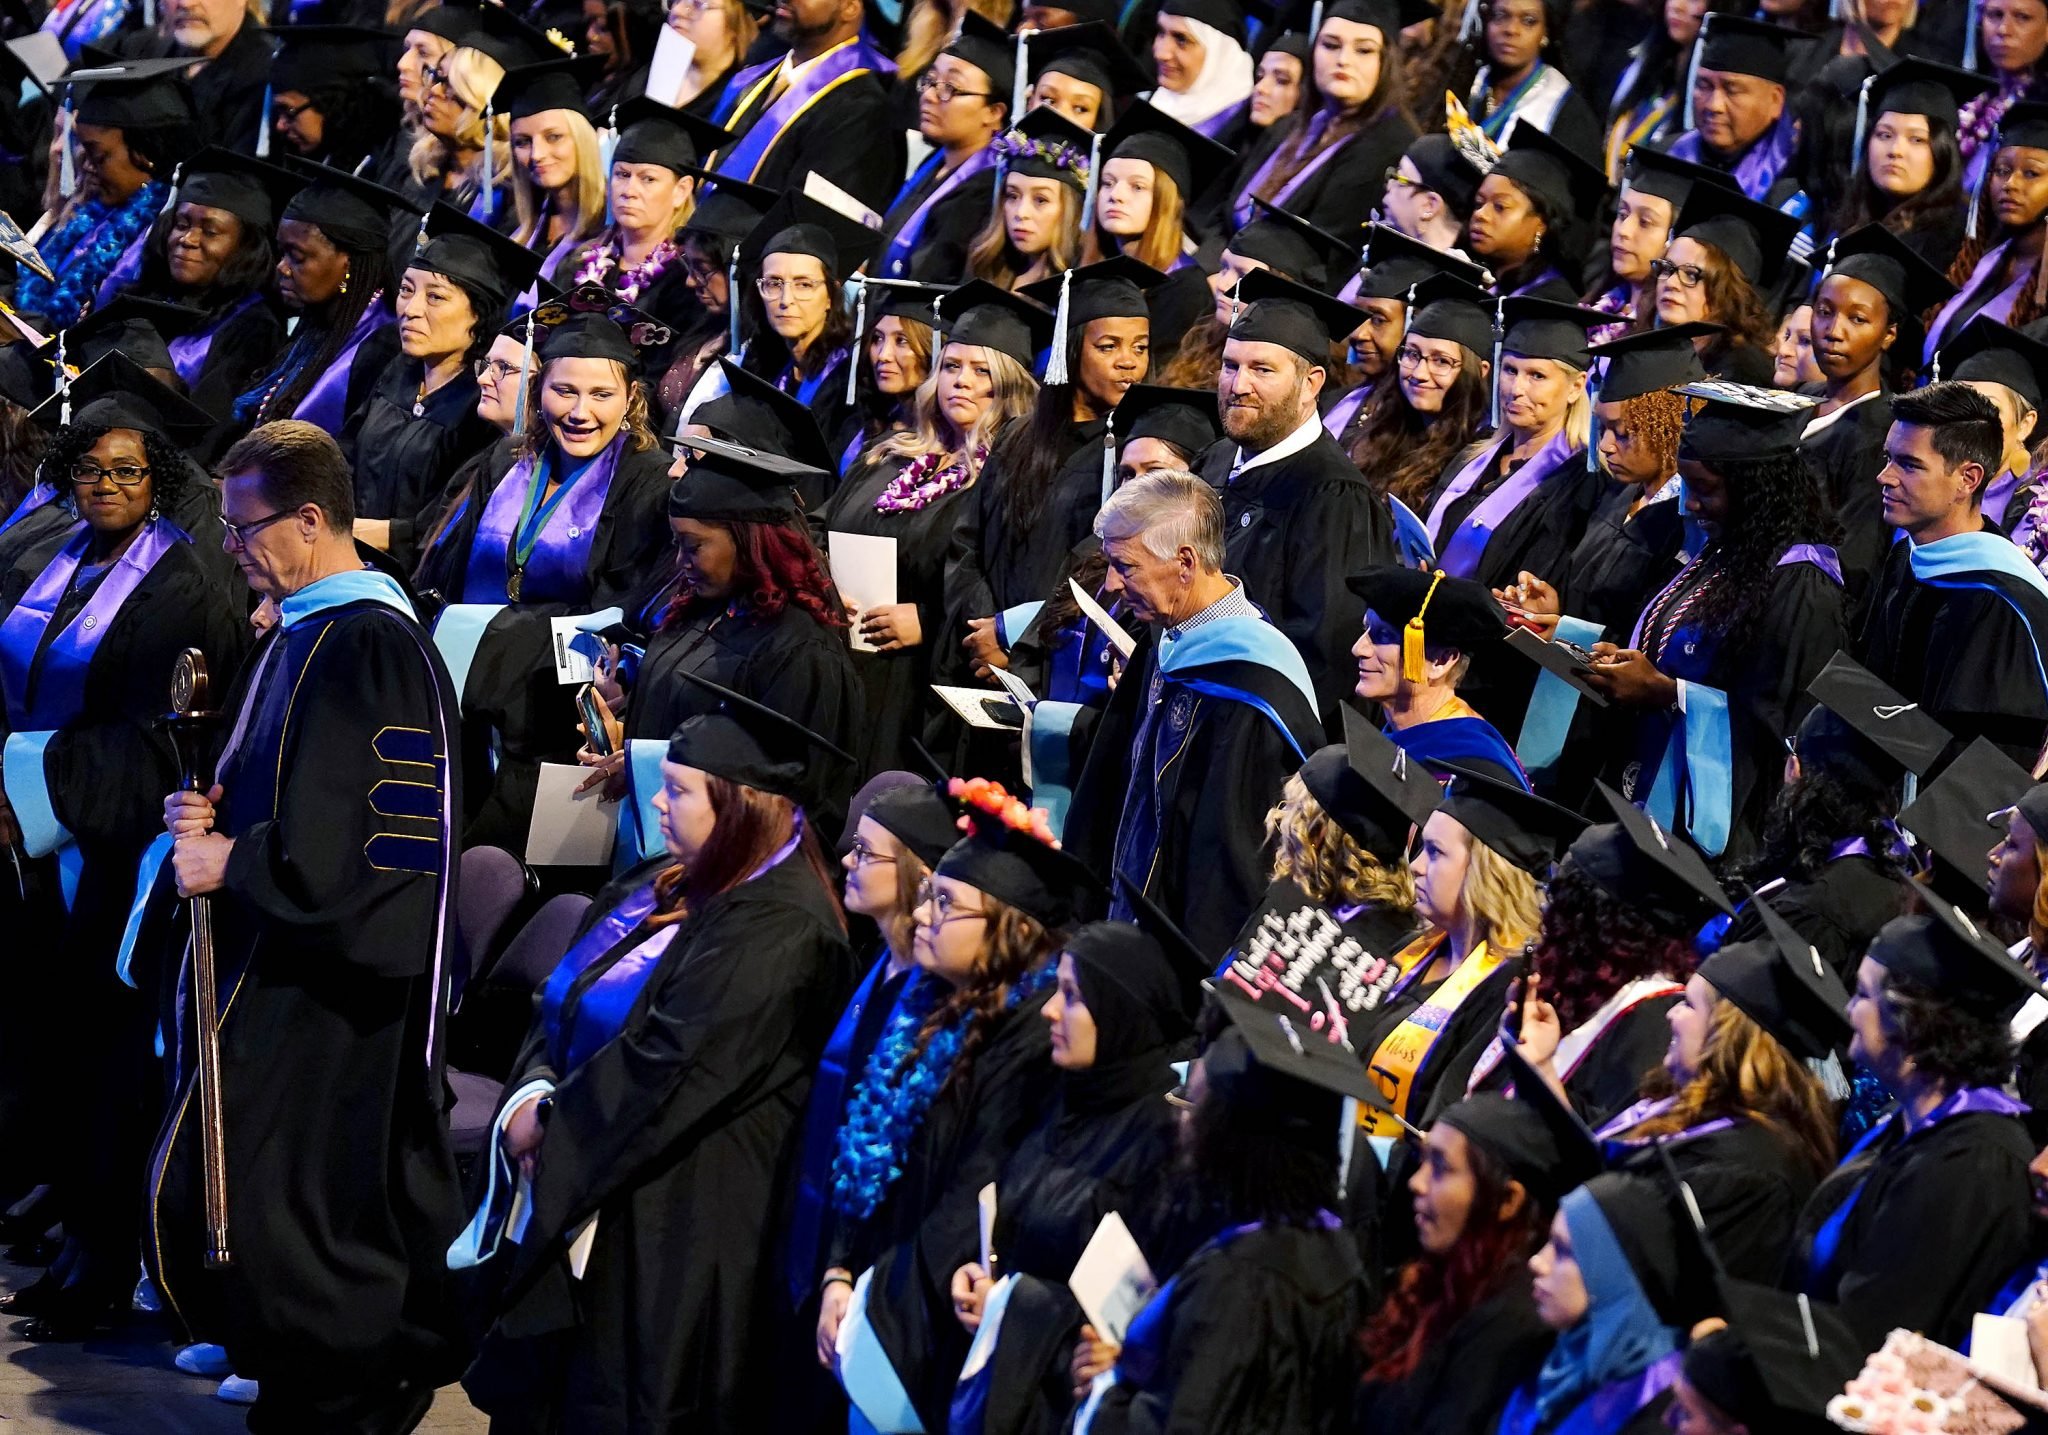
x=71, y=1314
x=30, y=1299
x=37, y=1252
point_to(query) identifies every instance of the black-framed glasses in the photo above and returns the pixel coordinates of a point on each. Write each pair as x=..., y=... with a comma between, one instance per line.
x=238, y=533
x=866, y=856
x=285, y=114
x=127, y=475
x=945, y=91
x=942, y=905
x=1691, y=276
x=1442, y=365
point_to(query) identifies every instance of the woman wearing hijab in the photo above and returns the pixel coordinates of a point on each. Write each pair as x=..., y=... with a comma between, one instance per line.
x=1205, y=74
x=2000, y=271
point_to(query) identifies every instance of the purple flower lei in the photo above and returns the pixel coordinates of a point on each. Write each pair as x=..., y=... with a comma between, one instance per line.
x=604, y=258
x=1015, y=146
x=918, y=485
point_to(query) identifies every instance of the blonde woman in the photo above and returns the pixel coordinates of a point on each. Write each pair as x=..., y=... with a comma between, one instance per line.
x=908, y=486
x=1033, y=231
x=652, y=193
x=721, y=32
x=558, y=176
x=449, y=157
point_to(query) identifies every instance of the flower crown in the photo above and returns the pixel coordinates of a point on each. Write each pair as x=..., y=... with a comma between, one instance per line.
x=980, y=794
x=1016, y=145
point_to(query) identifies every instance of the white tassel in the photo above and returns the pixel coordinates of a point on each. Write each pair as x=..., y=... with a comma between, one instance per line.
x=1862, y=123
x=490, y=165
x=1936, y=368
x=732, y=301
x=1977, y=196
x=1109, y=458
x=1056, y=363
x=525, y=373
x=63, y=384
x=1692, y=67
x=860, y=324
x=1407, y=316
x=1828, y=265
x=149, y=14
x=1970, y=38
x=1500, y=335
x=171, y=196
x=265, y=127
x=1470, y=24
x=1315, y=19
x=607, y=146
x=67, y=168
x=1020, y=87
x=1092, y=183
x=361, y=165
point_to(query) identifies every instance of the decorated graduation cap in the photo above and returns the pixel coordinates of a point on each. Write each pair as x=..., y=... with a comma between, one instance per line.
x=1944, y=950
x=919, y=817
x=1520, y=828
x=1446, y=170
x=1546, y=329
x=1657, y=872
x=1960, y=817
x=1874, y=255
x=1371, y=788
x=1777, y=1363
x=1569, y=184
x=1666, y=177
x=1299, y=319
x=1289, y=244
x=735, y=483
x=1177, y=151
x=2025, y=126
x=1223, y=16
x=1009, y=853
x=1046, y=145
x=755, y=413
x=1112, y=288
x=353, y=212
x=553, y=84
x=651, y=132
x=1091, y=53
x=1738, y=45
x=1989, y=352
x=1866, y=731
x=799, y=224
x=1394, y=264
x=116, y=392
x=252, y=190
x=1275, y=1062
x=132, y=94
x=1453, y=311
x=589, y=322
x=983, y=44
x=1430, y=610
x=475, y=255
x=988, y=317
x=1651, y=361
x=750, y=743
x=1185, y=418
x=1781, y=983
x=1756, y=238
x=1741, y=421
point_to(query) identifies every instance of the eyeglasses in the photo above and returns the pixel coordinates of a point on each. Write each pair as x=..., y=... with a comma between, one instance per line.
x=801, y=290
x=1394, y=176
x=492, y=370
x=941, y=904
x=286, y=114
x=944, y=91
x=1690, y=276
x=238, y=533
x=693, y=7
x=866, y=856
x=433, y=77
x=1443, y=366
x=85, y=475
x=702, y=271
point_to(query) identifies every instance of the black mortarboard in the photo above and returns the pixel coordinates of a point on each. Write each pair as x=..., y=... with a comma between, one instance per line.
x=1662, y=1247
x=1185, y=418
x=1945, y=951
x=988, y=317
x=651, y=132
x=133, y=326
x=115, y=392
x=1738, y=45
x=905, y=299
x=1922, y=87
x=732, y=483
x=1454, y=612
x=1449, y=309
x=920, y=819
x=1394, y=264
x=1220, y=15
x=983, y=44
x=1092, y=54
x=1658, y=873
x=2025, y=126
x=553, y=84
x=1654, y=360
x=1513, y=1132
x=1959, y=817
x=134, y=94
x=1741, y=421
x=252, y=190
x=1019, y=868
x=497, y=32
x=474, y=255
x=1777, y=1363
x=1112, y=288
x=750, y=743
x=1289, y=245
x=1167, y=145
x=1546, y=329
x=1666, y=177
x=1192, y=963
x=311, y=58
x=354, y=213
x=615, y=331
x=1045, y=144
x=1891, y=735
x=1389, y=17
x=1987, y=351
x=799, y=224
x=1371, y=789
x=453, y=22
x=1446, y=171
x=755, y=413
x=730, y=210
x=1279, y=1064
x=1519, y=827
x=1756, y=238
x=1302, y=320
x=1877, y=257
x=1780, y=982
x=1570, y=185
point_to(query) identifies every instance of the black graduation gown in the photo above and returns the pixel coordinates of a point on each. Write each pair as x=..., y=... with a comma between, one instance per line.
x=1342, y=194
x=1838, y=911
x=1966, y=655
x=852, y=137
x=1846, y=457
x=1257, y=1333
x=940, y=254
x=1965, y=1179
x=677, y=1134
x=332, y=938
x=1293, y=531
x=1462, y=1381
x=402, y=460
x=1751, y=1185
x=1621, y=560
x=242, y=351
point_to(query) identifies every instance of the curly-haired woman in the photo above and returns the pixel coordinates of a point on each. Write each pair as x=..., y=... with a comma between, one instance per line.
x=1725, y=254
x=1343, y=853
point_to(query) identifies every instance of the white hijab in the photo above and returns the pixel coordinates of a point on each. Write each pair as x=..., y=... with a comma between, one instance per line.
x=1225, y=80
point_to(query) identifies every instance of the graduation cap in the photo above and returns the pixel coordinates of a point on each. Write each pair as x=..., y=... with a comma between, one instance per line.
x=2025, y=126
x=495, y=31
x=1569, y=184
x=729, y=211
x=1371, y=788
x=1045, y=144
x=1112, y=288
x=311, y=58
x=1289, y=245
x=1781, y=983
x=1664, y=1251
x=735, y=483
x=1922, y=87
x=1223, y=16
x=1877, y=257
x=1452, y=311
x=1430, y=610
x=1279, y=1065
x=1945, y=951
x=1177, y=151
x=919, y=818
x=116, y=392
x=577, y=328
x=1741, y=421
x=1988, y=352
x=1738, y=45
x=1778, y=1362
x=755, y=413
x=1958, y=816
x=1546, y=329
x=1091, y=53
x=1666, y=177
x=906, y=299
x=1656, y=872
x=133, y=94
x=252, y=190
x=1866, y=731
x=983, y=44
x=2033, y=805
x=459, y=248
x=1389, y=17
x=1651, y=361
x=799, y=224
x=1446, y=171
x=132, y=326
x=651, y=132
x=353, y=212
x=1191, y=962
x=1014, y=864
x=1756, y=238
x=1185, y=418
x=1299, y=319
x=1539, y=1138
x=1393, y=264
x=988, y=317
x=553, y=84
x=750, y=743
x=1519, y=827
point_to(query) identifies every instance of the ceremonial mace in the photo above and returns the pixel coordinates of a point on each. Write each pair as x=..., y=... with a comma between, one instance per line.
x=189, y=722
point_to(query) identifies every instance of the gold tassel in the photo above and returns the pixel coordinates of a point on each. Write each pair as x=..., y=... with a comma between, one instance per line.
x=1412, y=658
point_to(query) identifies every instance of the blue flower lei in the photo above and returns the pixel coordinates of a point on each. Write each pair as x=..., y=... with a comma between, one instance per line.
x=889, y=1104
x=79, y=274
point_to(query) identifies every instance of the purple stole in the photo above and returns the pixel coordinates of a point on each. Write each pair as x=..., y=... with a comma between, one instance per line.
x=41, y=496
x=554, y=571
x=897, y=258
x=848, y=61
x=1217, y=123
x=1241, y=211
x=188, y=353
x=1605, y=1411
x=326, y=403
x=1761, y=163
x=1998, y=307
x=1610, y=1135
x=127, y=269
x=1344, y=410
x=1534, y=284
x=60, y=680
x=1458, y=555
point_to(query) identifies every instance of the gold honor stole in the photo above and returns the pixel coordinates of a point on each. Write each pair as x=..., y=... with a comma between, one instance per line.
x=1400, y=1056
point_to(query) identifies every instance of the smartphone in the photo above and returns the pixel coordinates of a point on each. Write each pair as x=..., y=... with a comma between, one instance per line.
x=1004, y=711
x=593, y=721
x=1518, y=976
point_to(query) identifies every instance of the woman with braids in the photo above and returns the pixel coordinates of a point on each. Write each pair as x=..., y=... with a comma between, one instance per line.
x=648, y=1116
x=1999, y=271
x=86, y=649
x=1725, y=254
x=1745, y=626
x=962, y=1074
x=913, y=486
x=1408, y=432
